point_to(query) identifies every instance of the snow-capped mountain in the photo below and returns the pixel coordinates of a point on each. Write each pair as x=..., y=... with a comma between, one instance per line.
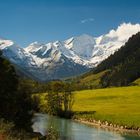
x=42, y=65
x=71, y=57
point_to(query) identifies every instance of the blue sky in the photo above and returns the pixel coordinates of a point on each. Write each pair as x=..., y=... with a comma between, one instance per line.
x=26, y=21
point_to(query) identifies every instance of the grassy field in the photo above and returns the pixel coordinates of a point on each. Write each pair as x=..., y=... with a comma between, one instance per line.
x=116, y=105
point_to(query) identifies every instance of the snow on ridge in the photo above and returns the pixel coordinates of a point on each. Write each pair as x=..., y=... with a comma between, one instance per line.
x=84, y=50
x=88, y=50
x=5, y=43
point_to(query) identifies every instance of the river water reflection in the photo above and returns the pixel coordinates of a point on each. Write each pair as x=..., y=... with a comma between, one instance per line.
x=71, y=130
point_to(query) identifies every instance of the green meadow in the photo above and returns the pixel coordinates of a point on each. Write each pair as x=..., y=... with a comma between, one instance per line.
x=120, y=106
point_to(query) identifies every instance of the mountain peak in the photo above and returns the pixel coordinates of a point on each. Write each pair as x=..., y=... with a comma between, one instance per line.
x=5, y=43
x=33, y=46
x=85, y=36
x=34, y=43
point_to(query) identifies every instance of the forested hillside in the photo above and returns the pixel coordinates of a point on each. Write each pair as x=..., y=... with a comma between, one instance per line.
x=120, y=69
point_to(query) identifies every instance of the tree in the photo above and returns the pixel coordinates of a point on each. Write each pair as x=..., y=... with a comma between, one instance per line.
x=15, y=101
x=54, y=98
x=8, y=89
x=60, y=99
x=68, y=99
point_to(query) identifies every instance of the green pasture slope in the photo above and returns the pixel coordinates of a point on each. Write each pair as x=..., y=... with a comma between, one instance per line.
x=116, y=105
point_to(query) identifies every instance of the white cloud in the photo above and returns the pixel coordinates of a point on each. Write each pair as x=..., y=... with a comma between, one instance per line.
x=87, y=20
x=125, y=31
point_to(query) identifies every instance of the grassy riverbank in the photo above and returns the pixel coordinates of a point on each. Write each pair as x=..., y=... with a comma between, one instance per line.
x=120, y=106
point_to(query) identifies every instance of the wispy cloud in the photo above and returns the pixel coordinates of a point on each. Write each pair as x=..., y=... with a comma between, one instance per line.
x=87, y=20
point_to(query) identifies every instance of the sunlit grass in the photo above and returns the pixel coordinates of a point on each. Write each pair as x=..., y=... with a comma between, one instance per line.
x=116, y=105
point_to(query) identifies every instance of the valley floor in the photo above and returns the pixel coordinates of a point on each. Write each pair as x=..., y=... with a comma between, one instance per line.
x=116, y=107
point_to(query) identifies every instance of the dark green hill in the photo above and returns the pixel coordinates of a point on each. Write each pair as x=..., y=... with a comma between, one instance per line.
x=120, y=69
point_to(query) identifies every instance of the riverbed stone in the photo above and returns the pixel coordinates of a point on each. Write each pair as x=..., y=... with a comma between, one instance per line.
x=125, y=127
x=111, y=124
x=115, y=125
x=106, y=123
x=99, y=122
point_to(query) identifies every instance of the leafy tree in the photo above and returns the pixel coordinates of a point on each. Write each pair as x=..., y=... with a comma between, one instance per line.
x=8, y=89
x=60, y=99
x=15, y=100
x=68, y=99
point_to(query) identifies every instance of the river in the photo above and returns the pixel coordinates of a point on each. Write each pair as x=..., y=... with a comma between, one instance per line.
x=71, y=130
